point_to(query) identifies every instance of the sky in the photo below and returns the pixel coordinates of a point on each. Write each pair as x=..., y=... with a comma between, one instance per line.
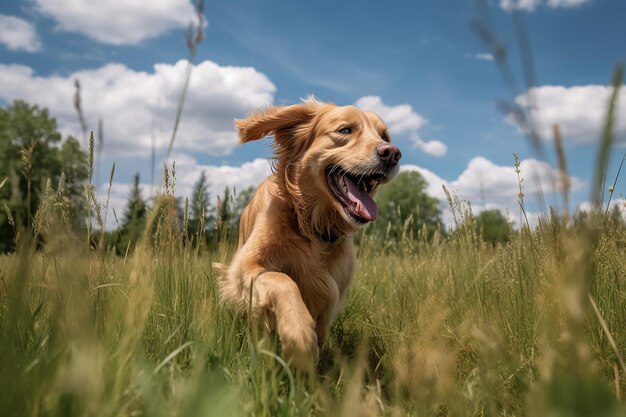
x=421, y=65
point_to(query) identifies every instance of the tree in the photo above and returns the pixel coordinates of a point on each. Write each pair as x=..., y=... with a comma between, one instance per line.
x=199, y=207
x=225, y=216
x=135, y=213
x=241, y=202
x=74, y=166
x=29, y=156
x=404, y=207
x=493, y=226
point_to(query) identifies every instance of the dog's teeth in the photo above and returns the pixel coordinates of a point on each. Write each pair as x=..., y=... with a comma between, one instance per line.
x=344, y=185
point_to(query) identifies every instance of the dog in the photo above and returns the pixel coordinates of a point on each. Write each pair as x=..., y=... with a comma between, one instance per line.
x=295, y=259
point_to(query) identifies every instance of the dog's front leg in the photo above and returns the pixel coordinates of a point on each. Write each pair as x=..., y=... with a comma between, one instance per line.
x=296, y=327
x=328, y=311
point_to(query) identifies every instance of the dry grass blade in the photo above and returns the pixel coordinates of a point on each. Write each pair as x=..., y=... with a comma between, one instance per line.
x=484, y=29
x=607, y=333
x=606, y=140
x=194, y=38
x=79, y=109
x=562, y=162
x=612, y=188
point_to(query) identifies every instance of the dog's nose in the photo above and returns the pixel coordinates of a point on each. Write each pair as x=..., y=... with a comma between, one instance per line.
x=389, y=154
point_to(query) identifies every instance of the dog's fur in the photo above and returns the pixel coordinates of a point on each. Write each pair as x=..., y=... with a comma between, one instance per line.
x=295, y=259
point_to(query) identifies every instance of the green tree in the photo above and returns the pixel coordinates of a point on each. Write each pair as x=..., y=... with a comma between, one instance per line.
x=224, y=216
x=74, y=166
x=199, y=208
x=493, y=226
x=30, y=155
x=135, y=213
x=404, y=207
x=241, y=202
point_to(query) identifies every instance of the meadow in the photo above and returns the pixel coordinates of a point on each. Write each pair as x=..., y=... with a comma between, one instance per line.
x=447, y=325
x=435, y=325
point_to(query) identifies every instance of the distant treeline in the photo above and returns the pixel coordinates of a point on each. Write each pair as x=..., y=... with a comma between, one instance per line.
x=35, y=161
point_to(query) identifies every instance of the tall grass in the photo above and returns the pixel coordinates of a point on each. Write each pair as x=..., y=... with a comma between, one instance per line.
x=447, y=326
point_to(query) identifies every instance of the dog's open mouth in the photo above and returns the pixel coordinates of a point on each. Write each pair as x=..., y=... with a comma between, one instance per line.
x=353, y=191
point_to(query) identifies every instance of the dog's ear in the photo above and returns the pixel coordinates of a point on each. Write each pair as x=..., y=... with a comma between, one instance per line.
x=274, y=119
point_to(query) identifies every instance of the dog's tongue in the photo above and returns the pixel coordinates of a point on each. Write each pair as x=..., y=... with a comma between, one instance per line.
x=364, y=203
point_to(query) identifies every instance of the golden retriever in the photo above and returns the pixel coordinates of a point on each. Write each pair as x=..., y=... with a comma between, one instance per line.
x=295, y=259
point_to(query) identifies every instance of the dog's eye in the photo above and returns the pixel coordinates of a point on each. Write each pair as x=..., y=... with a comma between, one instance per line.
x=345, y=130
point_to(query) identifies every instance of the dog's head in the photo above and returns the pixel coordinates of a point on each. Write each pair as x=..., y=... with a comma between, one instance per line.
x=329, y=162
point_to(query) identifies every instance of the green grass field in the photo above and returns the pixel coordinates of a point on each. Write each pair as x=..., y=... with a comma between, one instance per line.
x=444, y=326
x=448, y=327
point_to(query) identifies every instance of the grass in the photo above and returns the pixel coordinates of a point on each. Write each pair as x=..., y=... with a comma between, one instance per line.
x=453, y=326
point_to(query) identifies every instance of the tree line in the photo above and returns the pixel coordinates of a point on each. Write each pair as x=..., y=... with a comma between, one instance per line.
x=35, y=158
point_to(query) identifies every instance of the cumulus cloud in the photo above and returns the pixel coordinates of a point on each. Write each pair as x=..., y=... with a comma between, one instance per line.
x=487, y=185
x=18, y=34
x=434, y=181
x=579, y=111
x=118, y=22
x=249, y=174
x=402, y=119
x=530, y=5
x=188, y=171
x=484, y=180
x=137, y=106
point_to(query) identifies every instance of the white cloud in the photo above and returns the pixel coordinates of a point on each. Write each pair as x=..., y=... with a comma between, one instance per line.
x=18, y=34
x=431, y=147
x=566, y=3
x=118, y=22
x=580, y=111
x=249, y=174
x=403, y=119
x=481, y=56
x=484, y=180
x=484, y=57
x=399, y=119
x=487, y=185
x=136, y=105
x=188, y=171
x=530, y=5
x=434, y=181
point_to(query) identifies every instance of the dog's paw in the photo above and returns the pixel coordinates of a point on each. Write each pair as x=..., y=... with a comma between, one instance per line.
x=299, y=345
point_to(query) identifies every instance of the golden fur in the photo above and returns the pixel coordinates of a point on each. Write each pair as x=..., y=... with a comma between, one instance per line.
x=295, y=259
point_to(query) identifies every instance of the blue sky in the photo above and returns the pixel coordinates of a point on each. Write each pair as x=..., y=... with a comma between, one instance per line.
x=419, y=64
